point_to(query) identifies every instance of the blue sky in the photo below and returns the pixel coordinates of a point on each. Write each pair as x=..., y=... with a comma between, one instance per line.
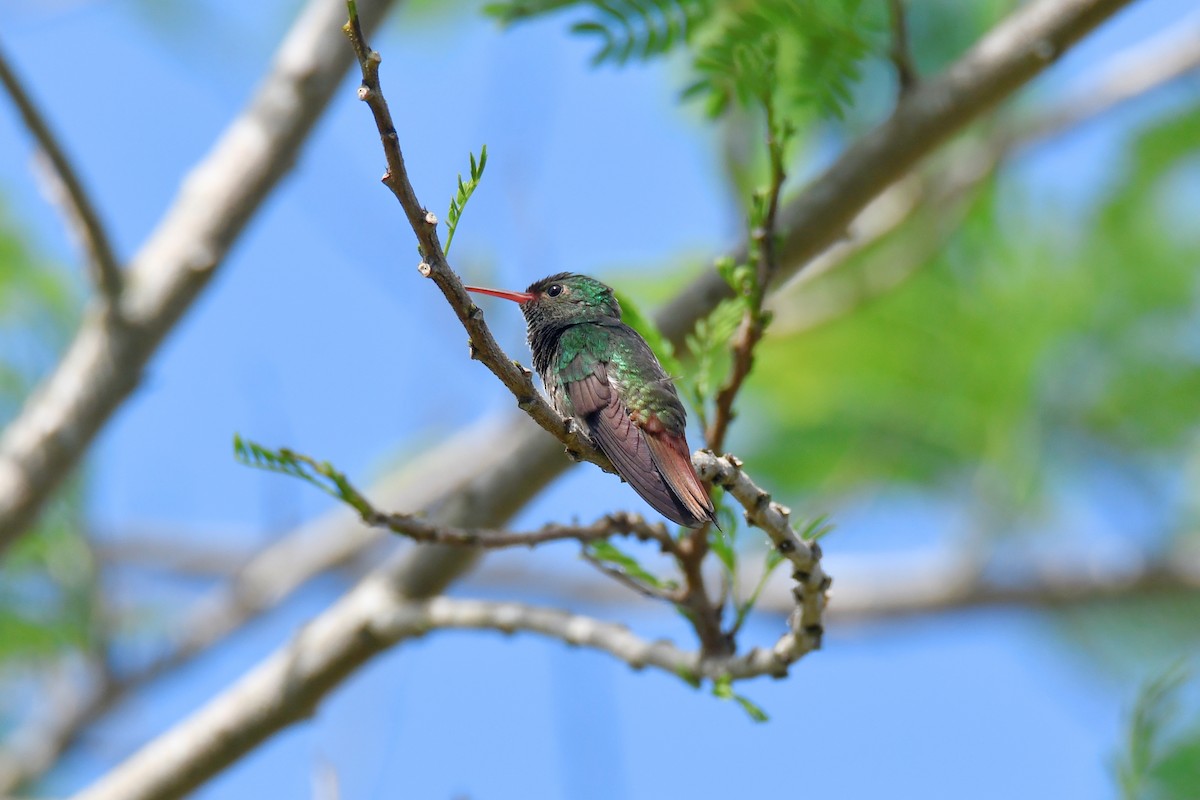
x=318, y=333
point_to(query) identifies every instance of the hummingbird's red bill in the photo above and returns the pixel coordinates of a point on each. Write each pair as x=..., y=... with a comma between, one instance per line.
x=516, y=297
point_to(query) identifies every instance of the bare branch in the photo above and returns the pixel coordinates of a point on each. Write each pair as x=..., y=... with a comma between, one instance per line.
x=940, y=585
x=105, y=269
x=900, y=53
x=620, y=523
x=484, y=347
x=105, y=362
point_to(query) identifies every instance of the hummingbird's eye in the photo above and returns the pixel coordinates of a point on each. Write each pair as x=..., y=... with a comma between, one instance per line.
x=555, y=290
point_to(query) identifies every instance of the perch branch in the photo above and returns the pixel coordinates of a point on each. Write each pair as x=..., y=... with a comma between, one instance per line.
x=483, y=345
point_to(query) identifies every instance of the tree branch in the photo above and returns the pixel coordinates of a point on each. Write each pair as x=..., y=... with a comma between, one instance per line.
x=619, y=523
x=104, y=363
x=764, y=254
x=104, y=267
x=900, y=52
x=484, y=347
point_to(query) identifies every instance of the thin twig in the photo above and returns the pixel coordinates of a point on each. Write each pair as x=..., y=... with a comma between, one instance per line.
x=483, y=345
x=619, y=523
x=103, y=264
x=763, y=250
x=442, y=613
x=765, y=247
x=900, y=52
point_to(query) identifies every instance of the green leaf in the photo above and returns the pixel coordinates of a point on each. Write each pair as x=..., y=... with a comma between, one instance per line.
x=458, y=203
x=817, y=528
x=1156, y=706
x=287, y=462
x=723, y=688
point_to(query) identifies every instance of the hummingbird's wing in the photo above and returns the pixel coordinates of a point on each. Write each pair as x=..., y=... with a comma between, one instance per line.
x=649, y=455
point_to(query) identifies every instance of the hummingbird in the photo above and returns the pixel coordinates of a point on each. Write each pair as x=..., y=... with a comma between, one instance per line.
x=600, y=373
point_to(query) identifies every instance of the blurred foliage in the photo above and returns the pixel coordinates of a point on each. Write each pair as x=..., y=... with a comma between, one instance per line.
x=46, y=580
x=1159, y=761
x=1026, y=337
x=799, y=53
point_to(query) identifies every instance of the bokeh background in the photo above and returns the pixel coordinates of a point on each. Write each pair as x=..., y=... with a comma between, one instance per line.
x=1000, y=387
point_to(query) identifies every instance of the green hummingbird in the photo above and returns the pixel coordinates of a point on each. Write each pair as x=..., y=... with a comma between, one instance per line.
x=601, y=373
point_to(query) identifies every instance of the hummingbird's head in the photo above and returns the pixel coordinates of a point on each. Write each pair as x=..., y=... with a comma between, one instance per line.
x=561, y=300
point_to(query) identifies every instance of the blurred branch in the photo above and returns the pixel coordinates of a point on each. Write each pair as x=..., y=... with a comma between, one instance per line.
x=900, y=53
x=104, y=363
x=883, y=592
x=483, y=345
x=941, y=195
x=104, y=267
x=180, y=553
x=1130, y=74
x=875, y=589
